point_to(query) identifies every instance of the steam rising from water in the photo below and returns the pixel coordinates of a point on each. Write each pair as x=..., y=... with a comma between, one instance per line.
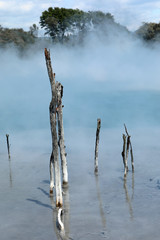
x=116, y=79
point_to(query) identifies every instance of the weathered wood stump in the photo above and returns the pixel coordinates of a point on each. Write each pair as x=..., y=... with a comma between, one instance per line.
x=57, y=139
x=126, y=146
x=97, y=146
x=8, y=146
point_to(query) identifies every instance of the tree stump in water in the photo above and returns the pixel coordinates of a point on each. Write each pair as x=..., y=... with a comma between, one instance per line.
x=97, y=146
x=125, y=152
x=8, y=145
x=57, y=139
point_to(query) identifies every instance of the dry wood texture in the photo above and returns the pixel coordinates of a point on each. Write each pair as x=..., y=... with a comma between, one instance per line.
x=125, y=152
x=8, y=145
x=97, y=145
x=124, y=155
x=54, y=160
x=61, y=133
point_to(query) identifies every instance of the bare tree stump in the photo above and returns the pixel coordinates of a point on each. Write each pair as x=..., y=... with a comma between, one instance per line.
x=131, y=151
x=125, y=151
x=97, y=145
x=8, y=146
x=54, y=156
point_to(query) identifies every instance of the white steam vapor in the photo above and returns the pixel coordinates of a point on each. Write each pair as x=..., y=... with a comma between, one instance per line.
x=94, y=76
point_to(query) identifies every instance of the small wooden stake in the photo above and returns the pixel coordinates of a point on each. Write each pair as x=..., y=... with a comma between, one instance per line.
x=8, y=145
x=97, y=145
x=131, y=151
x=124, y=155
x=126, y=151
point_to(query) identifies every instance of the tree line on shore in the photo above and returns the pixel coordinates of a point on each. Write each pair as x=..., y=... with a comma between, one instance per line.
x=18, y=37
x=71, y=26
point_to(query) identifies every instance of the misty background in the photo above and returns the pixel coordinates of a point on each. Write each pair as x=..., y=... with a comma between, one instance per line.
x=116, y=80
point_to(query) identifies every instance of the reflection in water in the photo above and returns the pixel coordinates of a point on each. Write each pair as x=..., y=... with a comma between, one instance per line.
x=128, y=200
x=100, y=203
x=66, y=211
x=55, y=214
x=62, y=234
x=10, y=174
x=132, y=185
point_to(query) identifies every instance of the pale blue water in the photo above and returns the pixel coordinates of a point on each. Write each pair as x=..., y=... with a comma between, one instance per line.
x=135, y=108
x=106, y=207
x=103, y=208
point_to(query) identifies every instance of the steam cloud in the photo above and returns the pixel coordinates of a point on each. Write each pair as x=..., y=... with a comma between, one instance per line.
x=113, y=78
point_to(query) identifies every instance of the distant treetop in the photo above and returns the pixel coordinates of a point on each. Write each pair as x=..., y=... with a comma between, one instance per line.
x=62, y=24
x=149, y=31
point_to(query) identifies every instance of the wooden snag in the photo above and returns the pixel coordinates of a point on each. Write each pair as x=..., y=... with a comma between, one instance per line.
x=8, y=145
x=97, y=145
x=127, y=152
x=53, y=121
x=129, y=145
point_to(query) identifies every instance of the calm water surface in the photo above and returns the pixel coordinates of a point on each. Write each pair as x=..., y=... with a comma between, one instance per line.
x=102, y=207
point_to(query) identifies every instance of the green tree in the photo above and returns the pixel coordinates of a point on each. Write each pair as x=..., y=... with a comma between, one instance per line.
x=15, y=36
x=34, y=30
x=98, y=17
x=62, y=24
x=149, y=31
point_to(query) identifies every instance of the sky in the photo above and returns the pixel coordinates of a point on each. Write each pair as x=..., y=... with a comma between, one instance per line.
x=130, y=13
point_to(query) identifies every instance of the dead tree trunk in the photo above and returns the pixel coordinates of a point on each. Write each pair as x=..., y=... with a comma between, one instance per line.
x=8, y=145
x=54, y=156
x=125, y=151
x=131, y=151
x=61, y=134
x=97, y=145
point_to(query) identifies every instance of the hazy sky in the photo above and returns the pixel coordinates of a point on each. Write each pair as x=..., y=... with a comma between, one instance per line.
x=131, y=13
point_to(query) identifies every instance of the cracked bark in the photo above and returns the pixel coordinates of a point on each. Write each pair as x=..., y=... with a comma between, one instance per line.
x=54, y=160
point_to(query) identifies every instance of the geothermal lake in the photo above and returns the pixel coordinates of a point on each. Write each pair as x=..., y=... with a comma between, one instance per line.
x=118, y=83
x=102, y=207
